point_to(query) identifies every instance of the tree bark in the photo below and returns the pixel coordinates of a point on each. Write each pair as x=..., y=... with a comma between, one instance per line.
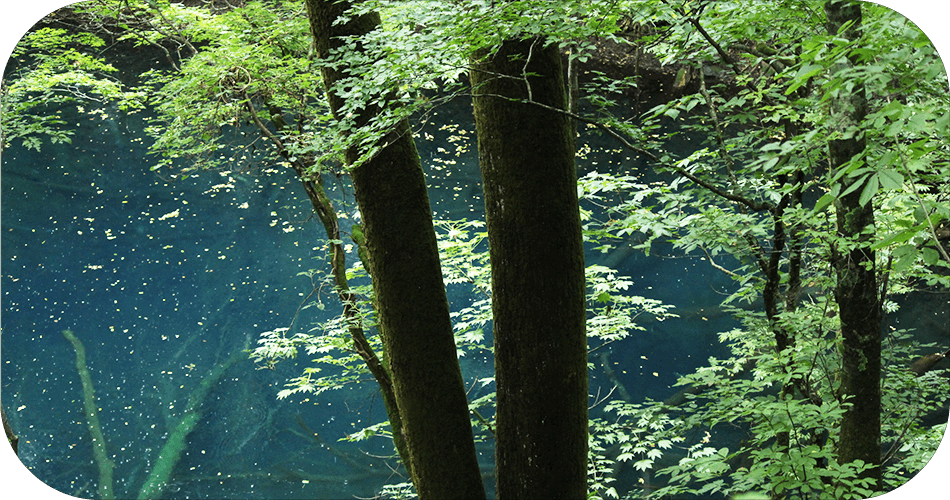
x=534, y=232
x=856, y=290
x=411, y=305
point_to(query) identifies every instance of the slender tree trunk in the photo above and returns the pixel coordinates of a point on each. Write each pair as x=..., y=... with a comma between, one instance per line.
x=856, y=290
x=323, y=207
x=411, y=305
x=534, y=233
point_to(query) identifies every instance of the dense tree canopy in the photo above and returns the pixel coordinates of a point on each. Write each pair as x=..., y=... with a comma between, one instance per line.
x=815, y=178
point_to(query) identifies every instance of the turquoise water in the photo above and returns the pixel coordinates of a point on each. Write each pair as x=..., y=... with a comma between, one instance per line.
x=162, y=279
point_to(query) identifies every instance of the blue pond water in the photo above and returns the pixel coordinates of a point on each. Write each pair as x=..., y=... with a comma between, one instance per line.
x=162, y=279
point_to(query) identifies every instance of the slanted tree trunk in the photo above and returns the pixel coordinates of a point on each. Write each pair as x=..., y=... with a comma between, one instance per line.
x=534, y=232
x=412, y=309
x=856, y=290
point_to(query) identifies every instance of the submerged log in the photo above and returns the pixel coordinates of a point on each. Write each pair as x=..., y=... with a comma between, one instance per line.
x=106, y=465
x=170, y=453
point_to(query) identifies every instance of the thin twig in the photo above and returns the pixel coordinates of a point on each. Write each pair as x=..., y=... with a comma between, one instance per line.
x=717, y=266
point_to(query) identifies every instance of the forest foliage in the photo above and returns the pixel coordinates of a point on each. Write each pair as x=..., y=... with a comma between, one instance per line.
x=755, y=197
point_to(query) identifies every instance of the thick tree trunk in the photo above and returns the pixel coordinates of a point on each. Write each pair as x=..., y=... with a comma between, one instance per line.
x=534, y=232
x=856, y=290
x=410, y=296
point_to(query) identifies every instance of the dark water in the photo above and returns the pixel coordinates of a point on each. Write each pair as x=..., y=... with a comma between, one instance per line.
x=161, y=281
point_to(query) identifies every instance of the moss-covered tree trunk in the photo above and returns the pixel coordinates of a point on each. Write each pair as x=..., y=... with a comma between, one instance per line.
x=411, y=304
x=856, y=290
x=527, y=161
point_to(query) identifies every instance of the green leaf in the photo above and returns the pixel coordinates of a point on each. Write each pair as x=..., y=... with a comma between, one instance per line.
x=929, y=255
x=906, y=255
x=802, y=77
x=854, y=185
x=752, y=496
x=890, y=179
x=870, y=189
x=823, y=202
x=827, y=198
x=900, y=237
x=643, y=465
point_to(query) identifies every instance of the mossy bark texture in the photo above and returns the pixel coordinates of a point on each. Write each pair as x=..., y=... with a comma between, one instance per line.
x=856, y=290
x=411, y=304
x=526, y=154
